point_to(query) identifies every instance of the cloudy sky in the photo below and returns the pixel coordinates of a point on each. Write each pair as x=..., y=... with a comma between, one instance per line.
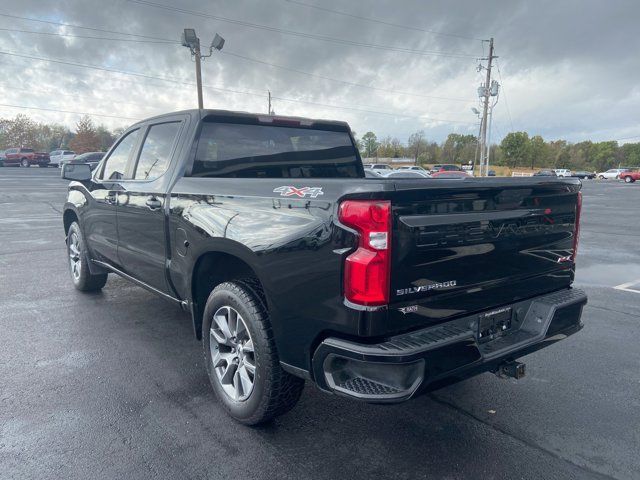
x=569, y=68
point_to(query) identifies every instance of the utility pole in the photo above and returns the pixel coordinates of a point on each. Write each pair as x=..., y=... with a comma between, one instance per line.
x=485, y=110
x=269, y=107
x=198, y=73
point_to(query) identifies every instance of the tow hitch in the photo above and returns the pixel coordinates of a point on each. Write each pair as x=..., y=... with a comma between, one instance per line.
x=511, y=369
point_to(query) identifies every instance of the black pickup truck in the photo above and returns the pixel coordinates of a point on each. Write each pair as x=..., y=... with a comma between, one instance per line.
x=296, y=267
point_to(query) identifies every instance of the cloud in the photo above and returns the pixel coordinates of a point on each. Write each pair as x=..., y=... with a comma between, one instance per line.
x=568, y=68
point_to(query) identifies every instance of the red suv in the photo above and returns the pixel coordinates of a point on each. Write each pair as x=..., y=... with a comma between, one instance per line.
x=25, y=157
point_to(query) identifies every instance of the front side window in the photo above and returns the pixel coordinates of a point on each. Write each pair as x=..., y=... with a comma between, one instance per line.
x=26, y=150
x=156, y=151
x=117, y=161
x=269, y=151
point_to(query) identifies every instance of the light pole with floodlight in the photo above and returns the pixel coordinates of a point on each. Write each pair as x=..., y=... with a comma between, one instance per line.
x=191, y=40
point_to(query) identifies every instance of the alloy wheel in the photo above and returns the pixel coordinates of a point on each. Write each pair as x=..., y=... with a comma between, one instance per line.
x=74, y=255
x=232, y=353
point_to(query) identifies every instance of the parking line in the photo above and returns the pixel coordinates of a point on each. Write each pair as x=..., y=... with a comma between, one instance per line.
x=625, y=286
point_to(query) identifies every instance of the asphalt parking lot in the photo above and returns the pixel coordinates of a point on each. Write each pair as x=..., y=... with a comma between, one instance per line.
x=112, y=385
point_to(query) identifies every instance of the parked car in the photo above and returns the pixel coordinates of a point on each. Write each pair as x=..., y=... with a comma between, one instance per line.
x=2, y=158
x=562, y=172
x=583, y=174
x=406, y=174
x=446, y=167
x=369, y=173
x=545, y=173
x=630, y=176
x=92, y=158
x=414, y=168
x=612, y=173
x=57, y=157
x=450, y=174
x=293, y=267
x=25, y=157
x=491, y=173
x=377, y=166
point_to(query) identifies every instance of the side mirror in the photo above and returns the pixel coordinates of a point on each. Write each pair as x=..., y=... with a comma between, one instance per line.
x=80, y=172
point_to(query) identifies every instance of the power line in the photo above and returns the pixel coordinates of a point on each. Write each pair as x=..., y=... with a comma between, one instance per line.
x=381, y=22
x=256, y=94
x=93, y=98
x=504, y=94
x=344, y=82
x=68, y=111
x=49, y=22
x=161, y=40
x=303, y=34
x=56, y=34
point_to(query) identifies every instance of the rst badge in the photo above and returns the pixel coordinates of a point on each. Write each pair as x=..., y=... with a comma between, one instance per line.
x=409, y=309
x=291, y=191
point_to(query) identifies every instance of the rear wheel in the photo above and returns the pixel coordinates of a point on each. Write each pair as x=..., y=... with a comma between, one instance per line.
x=628, y=179
x=81, y=276
x=241, y=357
x=24, y=162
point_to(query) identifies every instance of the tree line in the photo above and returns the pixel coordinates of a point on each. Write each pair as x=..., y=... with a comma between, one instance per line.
x=22, y=131
x=517, y=150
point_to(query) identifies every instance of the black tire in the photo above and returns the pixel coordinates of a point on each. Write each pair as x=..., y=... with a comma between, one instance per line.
x=601, y=177
x=274, y=391
x=628, y=179
x=81, y=277
x=24, y=163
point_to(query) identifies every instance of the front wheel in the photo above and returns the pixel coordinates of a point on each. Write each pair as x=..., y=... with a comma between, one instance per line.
x=241, y=357
x=628, y=179
x=25, y=163
x=81, y=276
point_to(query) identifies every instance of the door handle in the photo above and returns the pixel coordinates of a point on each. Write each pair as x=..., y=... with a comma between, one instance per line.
x=153, y=203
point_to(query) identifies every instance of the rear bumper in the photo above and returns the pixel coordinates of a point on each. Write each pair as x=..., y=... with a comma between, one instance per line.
x=422, y=360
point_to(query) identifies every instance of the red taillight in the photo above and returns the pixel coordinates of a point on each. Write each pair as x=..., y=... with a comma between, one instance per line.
x=576, y=230
x=366, y=272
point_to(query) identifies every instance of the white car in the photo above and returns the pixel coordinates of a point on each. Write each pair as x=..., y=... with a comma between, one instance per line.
x=612, y=173
x=377, y=166
x=58, y=157
x=562, y=172
x=415, y=168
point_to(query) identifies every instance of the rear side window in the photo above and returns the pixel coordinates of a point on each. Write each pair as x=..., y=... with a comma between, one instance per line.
x=117, y=162
x=26, y=150
x=267, y=151
x=69, y=152
x=156, y=151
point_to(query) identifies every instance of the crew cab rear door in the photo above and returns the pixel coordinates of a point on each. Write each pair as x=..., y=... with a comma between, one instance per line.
x=141, y=217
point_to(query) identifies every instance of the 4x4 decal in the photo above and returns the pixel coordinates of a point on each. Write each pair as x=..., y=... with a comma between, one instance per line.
x=290, y=191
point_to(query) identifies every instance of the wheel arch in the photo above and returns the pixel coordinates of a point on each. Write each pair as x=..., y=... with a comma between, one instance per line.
x=68, y=217
x=214, y=267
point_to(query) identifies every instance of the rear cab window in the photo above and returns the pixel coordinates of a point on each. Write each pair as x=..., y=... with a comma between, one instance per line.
x=243, y=150
x=156, y=151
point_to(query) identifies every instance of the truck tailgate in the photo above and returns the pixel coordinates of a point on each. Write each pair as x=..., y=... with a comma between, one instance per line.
x=470, y=245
